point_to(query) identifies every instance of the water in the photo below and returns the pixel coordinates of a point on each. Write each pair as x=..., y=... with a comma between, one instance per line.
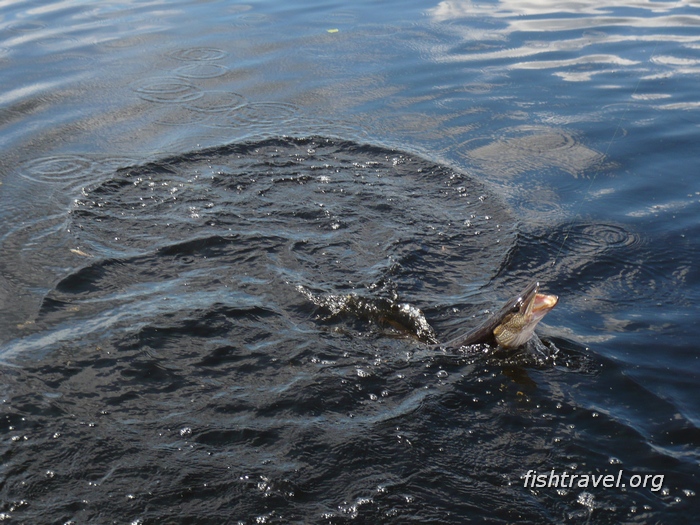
x=194, y=192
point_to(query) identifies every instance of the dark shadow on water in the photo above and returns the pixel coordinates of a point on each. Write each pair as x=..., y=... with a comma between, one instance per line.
x=236, y=346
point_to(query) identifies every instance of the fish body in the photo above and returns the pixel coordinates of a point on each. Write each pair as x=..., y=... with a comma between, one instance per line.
x=513, y=325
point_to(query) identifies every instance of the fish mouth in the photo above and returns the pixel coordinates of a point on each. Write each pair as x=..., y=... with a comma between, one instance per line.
x=536, y=305
x=543, y=303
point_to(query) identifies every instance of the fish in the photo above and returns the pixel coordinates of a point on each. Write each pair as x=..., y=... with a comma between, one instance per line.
x=512, y=326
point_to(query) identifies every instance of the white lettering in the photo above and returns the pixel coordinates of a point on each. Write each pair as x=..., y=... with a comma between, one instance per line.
x=657, y=482
x=552, y=479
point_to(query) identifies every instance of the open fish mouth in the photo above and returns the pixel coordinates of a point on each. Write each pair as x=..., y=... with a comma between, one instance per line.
x=541, y=304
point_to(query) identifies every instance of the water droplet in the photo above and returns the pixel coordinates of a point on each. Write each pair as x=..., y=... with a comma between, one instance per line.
x=586, y=499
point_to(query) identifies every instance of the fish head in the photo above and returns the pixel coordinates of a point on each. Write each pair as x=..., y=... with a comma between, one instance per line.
x=520, y=315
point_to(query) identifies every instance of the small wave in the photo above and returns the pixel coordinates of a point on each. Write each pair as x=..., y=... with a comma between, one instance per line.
x=199, y=71
x=57, y=168
x=167, y=90
x=256, y=115
x=198, y=54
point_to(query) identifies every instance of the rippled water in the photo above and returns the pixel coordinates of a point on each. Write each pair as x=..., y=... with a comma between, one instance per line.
x=228, y=231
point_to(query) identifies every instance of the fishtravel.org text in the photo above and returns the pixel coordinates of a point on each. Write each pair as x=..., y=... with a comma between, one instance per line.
x=568, y=480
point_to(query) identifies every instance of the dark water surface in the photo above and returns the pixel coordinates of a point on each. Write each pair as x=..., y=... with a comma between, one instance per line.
x=196, y=197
